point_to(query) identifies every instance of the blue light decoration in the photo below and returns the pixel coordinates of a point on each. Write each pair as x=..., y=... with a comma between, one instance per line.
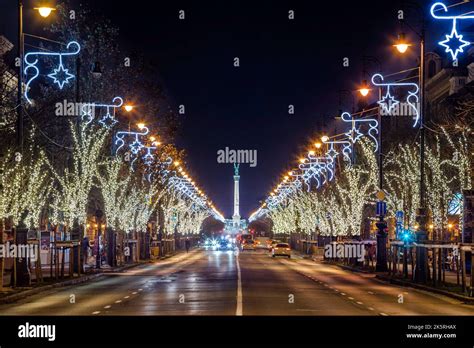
x=389, y=102
x=60, y=75
x=454, y=43
x=148, y=157
x=354, y=134
x=108, y=120
x=346, y=149
x=320, y=169
x=399, y=223
x=455, y=204
x=134, y=146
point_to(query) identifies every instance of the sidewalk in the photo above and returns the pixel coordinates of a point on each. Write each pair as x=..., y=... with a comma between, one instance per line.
x=9, y=295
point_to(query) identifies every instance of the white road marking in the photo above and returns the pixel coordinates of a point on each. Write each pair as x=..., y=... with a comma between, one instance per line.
x=238, y=310
x=350, y=298
x=126, y=296
x=370, y=308
x=107, y=307
x=134, y=293
x=370, y=292
x=140, y=289
x=383, y=314
x=343, y=294
x=118, y=301
x=96, y=312
x=361, y=303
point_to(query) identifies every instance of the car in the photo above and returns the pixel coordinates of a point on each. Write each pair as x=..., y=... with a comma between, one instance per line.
x=281, y=249
x=261, y=242
x=272, y=244
x=226, y=245
x=248, y=245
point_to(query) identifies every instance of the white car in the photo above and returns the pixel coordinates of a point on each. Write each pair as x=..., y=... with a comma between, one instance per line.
x=281, y=249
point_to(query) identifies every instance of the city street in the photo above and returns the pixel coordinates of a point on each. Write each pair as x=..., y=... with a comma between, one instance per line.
x=230, y=283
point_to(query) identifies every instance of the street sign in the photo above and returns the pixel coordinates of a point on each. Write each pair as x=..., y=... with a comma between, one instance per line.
x=380, y=195
x=381, y=209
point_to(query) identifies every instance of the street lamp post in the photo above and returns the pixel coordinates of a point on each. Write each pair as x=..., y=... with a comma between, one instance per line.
x=421, y=218
x=19, y=121
x=44, y=12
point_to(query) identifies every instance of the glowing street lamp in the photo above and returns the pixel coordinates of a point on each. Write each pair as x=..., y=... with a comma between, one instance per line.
x=45, y=11
x=401, y=45
x=128, y=107
x=141, y=126
x=364, y=89
x=324, y=138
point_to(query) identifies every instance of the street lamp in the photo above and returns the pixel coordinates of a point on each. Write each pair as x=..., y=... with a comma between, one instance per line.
x=44, y=12
x=402, y=47
x=128, y=107
x=364, y=89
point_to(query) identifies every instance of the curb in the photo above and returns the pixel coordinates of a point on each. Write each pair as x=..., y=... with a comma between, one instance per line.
x=463, y=298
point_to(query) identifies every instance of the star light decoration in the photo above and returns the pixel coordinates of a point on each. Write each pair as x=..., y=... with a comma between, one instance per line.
x=454, y=43
x=134, y=146
x=389, y=104
x=88, y=112
x=60, y=75
x=354, y=134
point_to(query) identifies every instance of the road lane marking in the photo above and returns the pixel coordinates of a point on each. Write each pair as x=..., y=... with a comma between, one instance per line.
x=370, y=292
x=343, y=294
x=238, y=310
x=126, y=296
x=140, y=289
x=370, y=309
x=384, y=314
x=361, y=303
x=107, y=307
x=96, y=312
x=134, y=293
x=118, y=301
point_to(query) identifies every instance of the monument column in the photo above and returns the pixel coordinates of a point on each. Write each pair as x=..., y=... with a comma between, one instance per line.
x=236, y=216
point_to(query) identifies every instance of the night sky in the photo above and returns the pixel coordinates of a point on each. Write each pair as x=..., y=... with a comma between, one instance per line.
x=282, y=62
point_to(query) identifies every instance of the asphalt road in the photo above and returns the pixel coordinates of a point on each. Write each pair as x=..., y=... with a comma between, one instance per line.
x=232, y=283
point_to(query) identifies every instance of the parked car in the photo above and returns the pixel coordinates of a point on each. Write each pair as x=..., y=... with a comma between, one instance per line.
x=281, y=249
